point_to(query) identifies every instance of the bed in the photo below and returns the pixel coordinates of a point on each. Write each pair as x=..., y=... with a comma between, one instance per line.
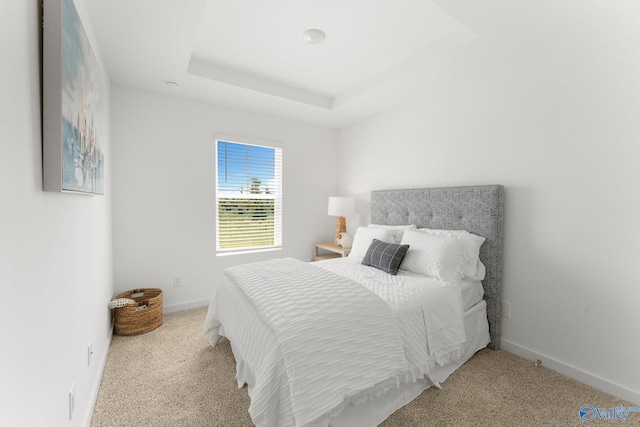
x=338, y=343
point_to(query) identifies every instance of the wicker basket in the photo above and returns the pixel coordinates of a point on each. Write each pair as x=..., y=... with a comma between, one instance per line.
x=143, y=316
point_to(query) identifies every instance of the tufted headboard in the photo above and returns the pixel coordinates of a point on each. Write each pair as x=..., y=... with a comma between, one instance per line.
x=477, y=209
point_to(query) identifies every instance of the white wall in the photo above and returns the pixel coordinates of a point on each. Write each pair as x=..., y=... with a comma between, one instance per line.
x=55, y=252
x=164, y=191
x=561, y=132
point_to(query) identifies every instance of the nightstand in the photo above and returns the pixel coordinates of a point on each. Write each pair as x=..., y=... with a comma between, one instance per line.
x=336, y=251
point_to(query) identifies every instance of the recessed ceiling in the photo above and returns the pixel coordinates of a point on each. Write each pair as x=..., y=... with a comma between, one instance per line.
x=364, y=38
x=251, y=54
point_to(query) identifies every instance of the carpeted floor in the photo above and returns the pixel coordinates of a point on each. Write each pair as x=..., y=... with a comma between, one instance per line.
x=172, y=377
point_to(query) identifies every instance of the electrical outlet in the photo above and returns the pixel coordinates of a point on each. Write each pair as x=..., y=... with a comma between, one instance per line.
x=506, y=309
x=177, y=281
x=72, y=400
x=89, y=353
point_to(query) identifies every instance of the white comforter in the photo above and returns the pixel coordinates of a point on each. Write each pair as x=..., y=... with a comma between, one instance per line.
x=321, y=340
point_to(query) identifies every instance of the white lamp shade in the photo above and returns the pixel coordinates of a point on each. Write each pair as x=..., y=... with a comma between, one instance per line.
x=341, y=206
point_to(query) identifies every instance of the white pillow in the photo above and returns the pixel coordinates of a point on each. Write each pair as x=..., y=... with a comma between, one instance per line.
x=473, y=267
x=441, y=257
x=365, y=235
x=397, y=229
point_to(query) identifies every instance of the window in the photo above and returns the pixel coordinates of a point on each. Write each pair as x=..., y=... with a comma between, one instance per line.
x=248, y=197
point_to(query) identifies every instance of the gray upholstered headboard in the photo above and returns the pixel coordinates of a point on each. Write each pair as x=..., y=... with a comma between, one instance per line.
x=477, y=209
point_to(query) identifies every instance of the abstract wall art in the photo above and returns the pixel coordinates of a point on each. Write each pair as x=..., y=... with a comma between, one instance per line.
x=73, y=104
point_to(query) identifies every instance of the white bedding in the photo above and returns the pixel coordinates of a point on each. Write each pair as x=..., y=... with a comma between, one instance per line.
x=472, y=292
x=427, y=313
x=375, y=411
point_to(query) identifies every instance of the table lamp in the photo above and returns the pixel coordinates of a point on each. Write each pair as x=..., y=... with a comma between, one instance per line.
x=341, y=207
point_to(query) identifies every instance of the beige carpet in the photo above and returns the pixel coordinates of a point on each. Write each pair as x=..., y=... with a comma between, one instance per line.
x=172, y=377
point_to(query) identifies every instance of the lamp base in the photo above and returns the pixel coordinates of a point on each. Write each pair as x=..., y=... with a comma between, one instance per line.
x=341, y=227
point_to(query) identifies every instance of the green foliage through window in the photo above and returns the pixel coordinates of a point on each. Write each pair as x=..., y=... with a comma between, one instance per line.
x=246, y=223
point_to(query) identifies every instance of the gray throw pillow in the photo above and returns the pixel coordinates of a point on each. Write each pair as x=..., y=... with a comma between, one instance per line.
x=385, y=256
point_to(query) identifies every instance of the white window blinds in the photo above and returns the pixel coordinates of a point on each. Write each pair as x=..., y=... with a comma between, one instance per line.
x=248, y=197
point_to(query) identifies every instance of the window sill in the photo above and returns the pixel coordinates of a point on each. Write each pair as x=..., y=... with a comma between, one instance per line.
x=247, y=251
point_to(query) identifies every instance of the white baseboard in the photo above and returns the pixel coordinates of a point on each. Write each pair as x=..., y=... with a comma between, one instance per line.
x=185, y=306
x=571, y=372
x=93, y=396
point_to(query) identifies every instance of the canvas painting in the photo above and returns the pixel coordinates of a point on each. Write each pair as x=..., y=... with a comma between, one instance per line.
x=82, y=108
x=74, y=110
